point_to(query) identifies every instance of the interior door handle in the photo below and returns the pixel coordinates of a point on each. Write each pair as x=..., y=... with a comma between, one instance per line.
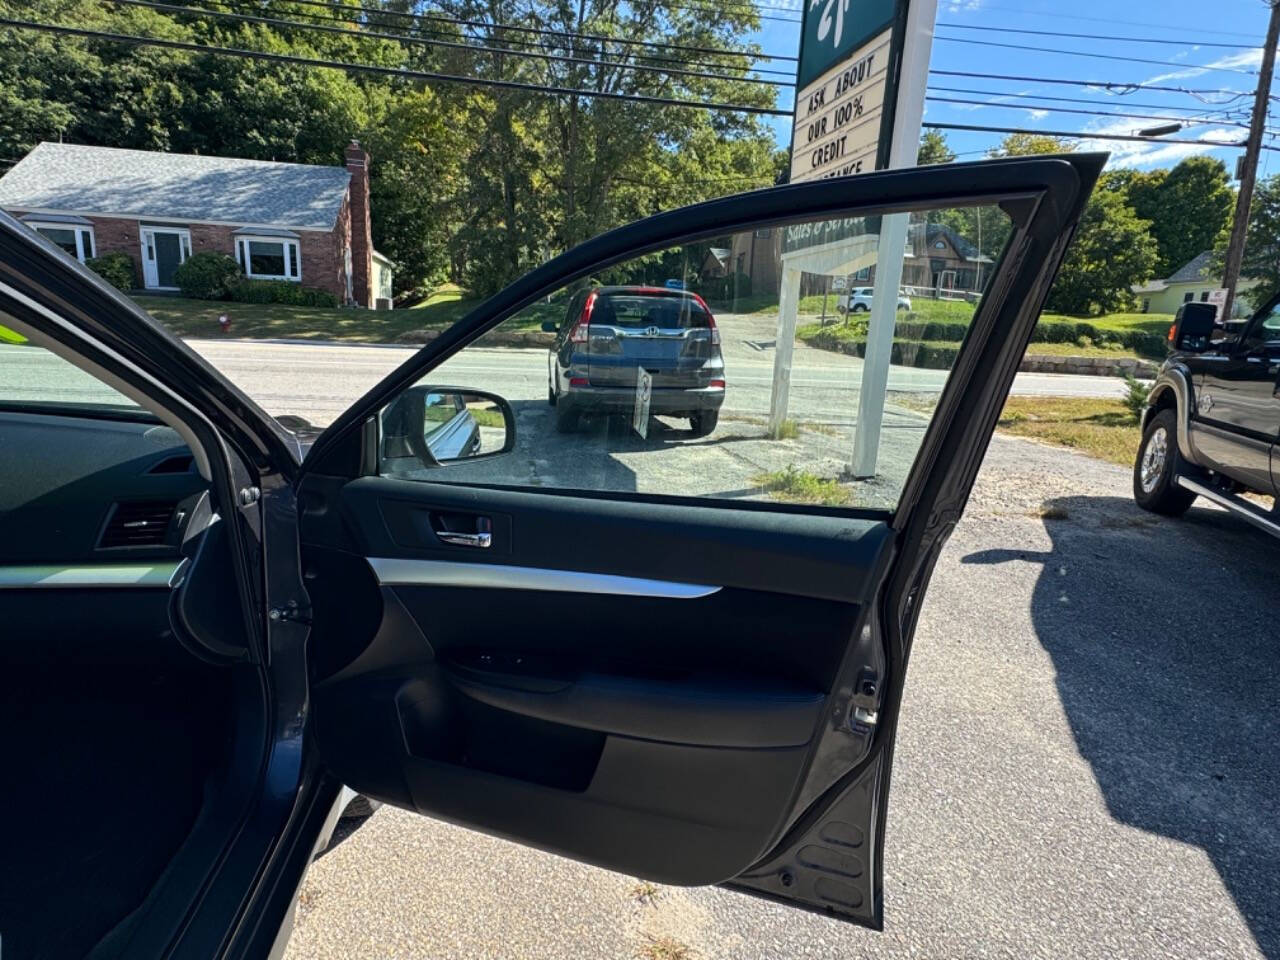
x=463, y=530
x=481, y=540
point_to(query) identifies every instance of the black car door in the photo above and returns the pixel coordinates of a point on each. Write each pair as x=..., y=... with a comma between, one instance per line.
x=693, y=684
x=1237, y=416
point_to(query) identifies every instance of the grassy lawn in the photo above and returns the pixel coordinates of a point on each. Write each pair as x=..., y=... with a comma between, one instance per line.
x=1102, y=428
x=261, y=321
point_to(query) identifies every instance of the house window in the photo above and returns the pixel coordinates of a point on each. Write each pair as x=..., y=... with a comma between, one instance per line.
x=77, y=241
x=269, y=258
x=1188, y=296
x=1204, y=296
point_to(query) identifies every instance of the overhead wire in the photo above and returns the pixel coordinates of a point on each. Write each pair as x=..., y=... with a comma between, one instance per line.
x=1082, y=135
x=1097, y=36
x=378, y=70
x=1192, y=121
x=365, y=34
x=1095, y=56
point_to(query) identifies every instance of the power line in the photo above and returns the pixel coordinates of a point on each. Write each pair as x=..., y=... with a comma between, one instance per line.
x=527, y=44
x=1196, y=121
x=1100, y=36
x=1113, y=86
x=371, y=35
x=1094, y=56
x=385, y=71
x=1183, y=28
x=416, y=17
x=1045, y=96
x=1083, y=135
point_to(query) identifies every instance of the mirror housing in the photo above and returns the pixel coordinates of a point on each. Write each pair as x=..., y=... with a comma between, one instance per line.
x=436, y=426
x=1193, y=327
x=549, y=326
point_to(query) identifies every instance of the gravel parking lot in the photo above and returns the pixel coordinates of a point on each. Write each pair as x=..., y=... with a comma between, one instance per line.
x=1087, y=766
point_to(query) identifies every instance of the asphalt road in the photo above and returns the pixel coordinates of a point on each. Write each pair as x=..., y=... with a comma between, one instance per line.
x=1088, y=766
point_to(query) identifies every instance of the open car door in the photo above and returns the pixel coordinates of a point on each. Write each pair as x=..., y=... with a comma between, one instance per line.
x=607, y=644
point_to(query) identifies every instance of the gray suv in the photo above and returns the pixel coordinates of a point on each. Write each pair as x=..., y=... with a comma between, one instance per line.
x=609, y=334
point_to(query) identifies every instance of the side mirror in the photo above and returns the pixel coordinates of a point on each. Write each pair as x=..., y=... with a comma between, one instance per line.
x=436, y=426
x=549, y=326
x=1193, y=327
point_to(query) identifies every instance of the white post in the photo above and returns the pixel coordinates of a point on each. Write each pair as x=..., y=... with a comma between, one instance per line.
x=788, y=305
x=916, y=49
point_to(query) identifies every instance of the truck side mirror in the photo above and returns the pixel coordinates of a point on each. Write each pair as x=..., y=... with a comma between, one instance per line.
x=1193, y=327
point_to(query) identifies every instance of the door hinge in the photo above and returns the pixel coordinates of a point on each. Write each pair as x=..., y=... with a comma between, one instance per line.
x=290, y=612
x=864, y=705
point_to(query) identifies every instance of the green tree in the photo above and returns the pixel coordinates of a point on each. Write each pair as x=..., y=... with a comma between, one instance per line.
x=1030, y=144
x=1112, y=250
x=1189, y=208
x=1262, y=242
x=933, y=149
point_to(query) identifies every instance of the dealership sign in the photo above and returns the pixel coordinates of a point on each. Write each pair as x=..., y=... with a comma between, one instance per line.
x=850, y=51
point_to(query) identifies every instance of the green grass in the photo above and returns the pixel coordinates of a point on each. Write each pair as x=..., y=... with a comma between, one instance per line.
x=800, y=486
x=1101, y=428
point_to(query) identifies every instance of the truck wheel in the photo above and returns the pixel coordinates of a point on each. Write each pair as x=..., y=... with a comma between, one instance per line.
x=566, y=419
x=1156, y=466
x=859, y=308
x=705, y=422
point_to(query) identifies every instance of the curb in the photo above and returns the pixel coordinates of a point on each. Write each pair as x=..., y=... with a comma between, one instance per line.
x=1089, y=366
x=494, y=338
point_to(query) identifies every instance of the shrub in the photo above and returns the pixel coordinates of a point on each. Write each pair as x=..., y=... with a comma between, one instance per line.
x=206, y=276
x=244, y=290
x=1136, y=394
x=115, y=268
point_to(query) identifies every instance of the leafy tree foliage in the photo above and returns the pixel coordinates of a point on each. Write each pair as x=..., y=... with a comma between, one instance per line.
x=1262, y=242
x=1030, y=144
x=933, y=149
x=1112, y=250
x=1189, y=208
x=474, y=183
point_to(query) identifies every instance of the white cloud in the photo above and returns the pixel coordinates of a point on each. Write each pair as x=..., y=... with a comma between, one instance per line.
x=960, y=6
x=1232, y=61
x=1038, y=114
x=1125, y=153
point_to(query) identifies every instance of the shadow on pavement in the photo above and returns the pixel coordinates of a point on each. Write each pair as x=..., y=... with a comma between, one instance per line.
x=1165, y=635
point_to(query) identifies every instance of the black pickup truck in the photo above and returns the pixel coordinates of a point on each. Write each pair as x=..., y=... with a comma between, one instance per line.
x=1211, y=427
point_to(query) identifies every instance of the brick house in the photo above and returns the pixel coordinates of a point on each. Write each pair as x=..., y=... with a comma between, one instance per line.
x=281, y=221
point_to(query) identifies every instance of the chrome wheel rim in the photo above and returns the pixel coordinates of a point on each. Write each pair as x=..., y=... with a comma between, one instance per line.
x=1154, y=459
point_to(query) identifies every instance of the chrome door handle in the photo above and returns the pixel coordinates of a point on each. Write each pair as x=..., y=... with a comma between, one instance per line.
x=480, y=540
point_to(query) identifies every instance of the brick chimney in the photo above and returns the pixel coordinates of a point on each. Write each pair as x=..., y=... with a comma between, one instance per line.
x=361, y=225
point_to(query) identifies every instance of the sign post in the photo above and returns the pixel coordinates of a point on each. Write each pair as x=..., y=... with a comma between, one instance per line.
x=859, y=104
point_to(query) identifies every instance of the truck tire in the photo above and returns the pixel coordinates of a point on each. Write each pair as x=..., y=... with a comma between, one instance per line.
x=1156, y=466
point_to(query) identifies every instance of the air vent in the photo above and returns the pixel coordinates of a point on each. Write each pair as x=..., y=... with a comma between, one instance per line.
x=141, y=523
x=181, y=463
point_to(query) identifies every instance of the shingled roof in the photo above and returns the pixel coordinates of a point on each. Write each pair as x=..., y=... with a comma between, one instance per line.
x=104, y=181
x=1194, y=270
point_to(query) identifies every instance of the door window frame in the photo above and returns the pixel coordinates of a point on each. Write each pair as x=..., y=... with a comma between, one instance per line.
x=146, y=246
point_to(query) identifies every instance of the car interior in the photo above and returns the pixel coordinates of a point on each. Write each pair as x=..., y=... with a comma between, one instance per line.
x=118, y=653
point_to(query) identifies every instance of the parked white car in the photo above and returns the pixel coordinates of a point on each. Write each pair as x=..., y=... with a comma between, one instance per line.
x=859, y=301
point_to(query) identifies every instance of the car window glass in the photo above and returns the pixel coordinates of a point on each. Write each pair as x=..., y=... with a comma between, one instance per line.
x=33, y=377
x=663, y=374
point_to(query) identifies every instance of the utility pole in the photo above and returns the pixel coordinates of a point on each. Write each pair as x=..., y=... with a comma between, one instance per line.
x=1253, y=147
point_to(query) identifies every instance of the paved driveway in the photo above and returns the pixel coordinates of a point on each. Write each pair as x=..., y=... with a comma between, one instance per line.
x=1088, y=766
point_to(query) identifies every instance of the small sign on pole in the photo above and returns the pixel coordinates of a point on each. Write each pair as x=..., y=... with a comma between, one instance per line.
x=1218, y=298
x=644, y=391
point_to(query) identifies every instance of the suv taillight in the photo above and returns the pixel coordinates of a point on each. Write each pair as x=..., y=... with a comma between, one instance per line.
x=711, y=321
x=581, y=331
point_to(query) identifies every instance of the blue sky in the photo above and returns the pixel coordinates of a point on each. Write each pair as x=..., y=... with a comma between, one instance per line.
x=1187, y=62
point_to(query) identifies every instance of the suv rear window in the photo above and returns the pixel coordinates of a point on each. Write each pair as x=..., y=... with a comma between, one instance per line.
x=641, y=310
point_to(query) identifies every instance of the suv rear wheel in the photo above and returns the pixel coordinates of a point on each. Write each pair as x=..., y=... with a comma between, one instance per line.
x=1156, y=468
x=703, y=423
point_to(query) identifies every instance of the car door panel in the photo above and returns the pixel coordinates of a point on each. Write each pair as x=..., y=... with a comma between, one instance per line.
x=1236, y=418
x=667, y=727
x=684, y=690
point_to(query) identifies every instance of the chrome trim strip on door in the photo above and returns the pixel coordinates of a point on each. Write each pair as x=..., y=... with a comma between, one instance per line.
x=50, y=576
x=393, y=571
